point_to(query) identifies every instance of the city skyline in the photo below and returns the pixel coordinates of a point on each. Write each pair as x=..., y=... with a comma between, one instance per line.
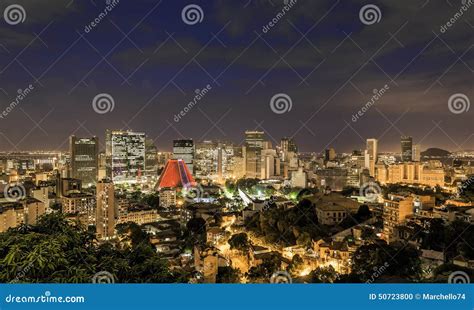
x=153, y=65
x=397, y=148
x=193, y=142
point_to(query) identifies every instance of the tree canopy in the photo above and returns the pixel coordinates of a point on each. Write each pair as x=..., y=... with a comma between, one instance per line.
x=55, y=251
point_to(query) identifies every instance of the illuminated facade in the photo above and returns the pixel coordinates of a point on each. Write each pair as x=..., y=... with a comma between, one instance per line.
x=125, y=151
x=84, y=159
x=214, y=160
x=184, y=150
x=411, y=173
x=175, y=175
x=105, y=210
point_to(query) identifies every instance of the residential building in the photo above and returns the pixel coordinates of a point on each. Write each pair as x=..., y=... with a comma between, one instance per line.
x=105, y=210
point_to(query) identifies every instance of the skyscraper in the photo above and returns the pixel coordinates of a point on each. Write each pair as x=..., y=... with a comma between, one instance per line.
x=330, y=154
x=416, y=152
x=288, y=145
x=184, y=149
x=407, y=148
x=254, y=144
x=371, y=155
x=213, y=160
x=84, y=159
x=105, y=210
x=151, y=158
x=125, y=151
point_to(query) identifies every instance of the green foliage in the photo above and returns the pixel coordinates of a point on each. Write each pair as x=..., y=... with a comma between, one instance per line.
x=286, y=226
x=264, y=271
x=349, y=190
x=306, y=193
x=296, y=264
x=54, y=251
x=240, y=242
x=324, y=275
x=228, y=275
x=454, y=239
x=441, y=273
x=196, y=226
x=152, y=200
x=403, y=262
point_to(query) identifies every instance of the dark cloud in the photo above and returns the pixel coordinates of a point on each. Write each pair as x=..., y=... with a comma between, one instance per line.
x=330, y=74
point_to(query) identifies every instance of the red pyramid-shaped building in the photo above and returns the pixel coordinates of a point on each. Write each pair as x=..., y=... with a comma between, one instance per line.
x=175, y=174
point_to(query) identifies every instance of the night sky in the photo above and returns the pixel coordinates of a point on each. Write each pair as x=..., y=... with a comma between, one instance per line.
x=320, y=54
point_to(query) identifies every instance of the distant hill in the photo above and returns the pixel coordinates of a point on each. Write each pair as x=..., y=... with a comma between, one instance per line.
x=435, y=152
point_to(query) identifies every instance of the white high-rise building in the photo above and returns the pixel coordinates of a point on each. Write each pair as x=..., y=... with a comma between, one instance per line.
x=125, y=151
x=371, y=155
x=416, y=152
x=105, y=210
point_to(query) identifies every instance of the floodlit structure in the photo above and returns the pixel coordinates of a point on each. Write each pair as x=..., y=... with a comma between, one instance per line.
x=175, y=174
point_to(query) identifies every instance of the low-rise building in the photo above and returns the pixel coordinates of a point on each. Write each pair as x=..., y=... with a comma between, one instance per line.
x=333, y=208
x=139, y=214
x=336, y=254
x=26, y=211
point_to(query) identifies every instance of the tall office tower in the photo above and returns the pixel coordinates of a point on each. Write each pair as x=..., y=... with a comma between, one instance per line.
x=236, y=163
x=84, y=159
x=125, y=151
x=163, y=158
x=254, y=144
x=102, y=174
x=416, y=152
x=371, y=154
x=270, y=165
x=407, y=148
x=184, y=149
x=105, y=210
x=288, y=145
x=151, y=158
x=213, y=160
x=330, y=154
x=206, y=159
